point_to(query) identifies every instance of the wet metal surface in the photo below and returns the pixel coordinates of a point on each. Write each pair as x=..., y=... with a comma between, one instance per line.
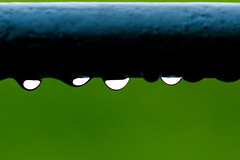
x=112, y=39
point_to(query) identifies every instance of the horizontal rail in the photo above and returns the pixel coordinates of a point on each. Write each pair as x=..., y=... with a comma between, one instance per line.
x=193, y=40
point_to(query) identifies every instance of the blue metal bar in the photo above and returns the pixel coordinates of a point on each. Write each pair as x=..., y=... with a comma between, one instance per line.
x=102, y=39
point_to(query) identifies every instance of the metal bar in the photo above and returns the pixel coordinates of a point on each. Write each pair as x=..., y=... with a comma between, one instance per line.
x=102, y=39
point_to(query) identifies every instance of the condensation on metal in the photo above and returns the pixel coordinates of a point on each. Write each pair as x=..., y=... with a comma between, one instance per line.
x=120, y=37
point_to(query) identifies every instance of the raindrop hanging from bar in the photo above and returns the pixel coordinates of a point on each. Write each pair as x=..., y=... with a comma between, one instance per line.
x=171, y=80
x=80, y=81
x=117, y=84
x=31, y=85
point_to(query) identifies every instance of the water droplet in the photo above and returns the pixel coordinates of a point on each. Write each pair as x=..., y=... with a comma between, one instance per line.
x=117, y=84
x=171, y=80
x=193, y=77
x=80, y=81
x=31, y=84
x=227, y=77
x=151, y=77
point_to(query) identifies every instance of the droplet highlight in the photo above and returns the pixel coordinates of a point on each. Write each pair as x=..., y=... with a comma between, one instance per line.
x=80, y=81
x=117, y=84
x=31, y=84
x=171, y=80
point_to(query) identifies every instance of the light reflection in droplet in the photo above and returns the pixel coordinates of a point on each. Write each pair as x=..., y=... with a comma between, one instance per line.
x=171, y=80
x=31, y=84
x=117, y=84
x=80, y=81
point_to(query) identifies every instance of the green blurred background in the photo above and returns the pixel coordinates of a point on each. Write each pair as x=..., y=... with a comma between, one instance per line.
x=144, y=121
